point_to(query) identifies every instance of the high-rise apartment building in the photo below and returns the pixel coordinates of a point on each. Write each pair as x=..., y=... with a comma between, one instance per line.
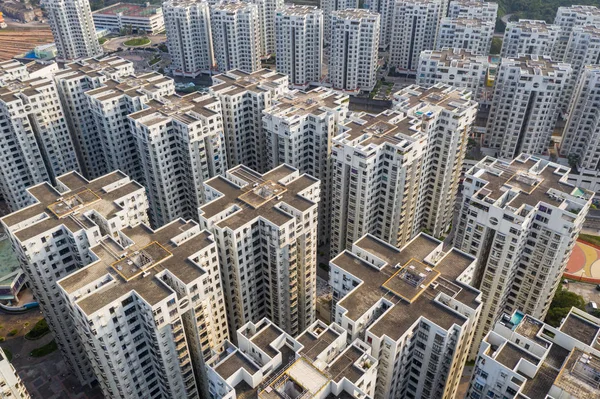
x=266, y=230
x=583, y=49
x=111, y=103
x=353, y=50
x=236, y=36
x=267, y=9
x=299, y=128
x=73, y=29
x=524, y=357
x=447, y=115
x=299, y=44
x=473, y=9
x=243, y=97
x=396, y=173
x=72, y=82
x=149, y=309
x=11, y=385
x=180, y=143
x=582, y=130
x=328, y=7
x=189, y=36
x=415, y=308
x=521, y=220
x=458, y=68
x=35, y=139
x=52, y=237
x=269, y=363
x=369, y=150
x=529, y=37
x=414, y=29
x=525, y=105
x=473, y=35
x=385, y=8
x=570, y=17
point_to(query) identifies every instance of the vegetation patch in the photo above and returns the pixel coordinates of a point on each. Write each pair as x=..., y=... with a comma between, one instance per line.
x=154, y=60
x=594, y=240
x=13, y=332
x=44, y=350
x=102, y=40
x=8, y=354
x=38, y=331
x=561, y=304
x=138, y=41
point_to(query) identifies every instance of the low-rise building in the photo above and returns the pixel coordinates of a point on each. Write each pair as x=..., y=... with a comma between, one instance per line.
x=130, y=18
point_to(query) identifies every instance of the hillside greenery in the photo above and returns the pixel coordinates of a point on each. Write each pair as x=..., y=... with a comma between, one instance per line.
x=536, y=9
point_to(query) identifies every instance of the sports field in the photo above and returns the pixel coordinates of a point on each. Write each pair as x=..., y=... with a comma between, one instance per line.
x=584, y=263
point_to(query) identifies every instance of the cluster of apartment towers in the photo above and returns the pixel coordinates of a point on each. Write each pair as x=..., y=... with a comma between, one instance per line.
x=172, y=241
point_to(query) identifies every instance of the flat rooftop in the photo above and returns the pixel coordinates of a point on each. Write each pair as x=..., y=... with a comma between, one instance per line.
x=186, y=109
x=53, y=208
x=11, y=90
x=129, y=10
x=234, y=363
x=298, y=104
x=581, y=329
x=530, y=181
x=511, y=354
x=533, y=26
x=389, y=127
x=139, y=264
x=258, y=195
x=300, y=10
x=266, y=337
x=132, y=86
x=93, y=67
x=534, y=65
x=457, y=58
x=406, y=293
x=580, y=376
x=421, y=101
x=356, y=13
x=238, y=82
x=316, y=342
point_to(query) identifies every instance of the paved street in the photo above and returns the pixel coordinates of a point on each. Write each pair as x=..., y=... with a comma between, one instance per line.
x=114, y=43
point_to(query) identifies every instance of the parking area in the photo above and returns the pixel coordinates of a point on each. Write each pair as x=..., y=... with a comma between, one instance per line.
x=587, y=290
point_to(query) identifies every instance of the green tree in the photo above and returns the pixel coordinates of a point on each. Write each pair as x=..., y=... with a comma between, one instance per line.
x=561, y=304
x=496, y=45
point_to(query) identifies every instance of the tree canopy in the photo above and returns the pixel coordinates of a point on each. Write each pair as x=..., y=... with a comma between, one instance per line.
x=561, y=304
